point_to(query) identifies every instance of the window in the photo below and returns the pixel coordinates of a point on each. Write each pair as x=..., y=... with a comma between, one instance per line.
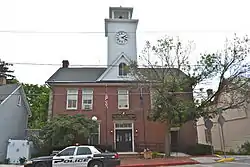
x=83, y=151
x=67, y=152
x=123, y=99
x=121, y=15
x=72, y=97
x=123, y=69
x=94, y=138
x=19, y=100
x=87, y=99
x=123, y=125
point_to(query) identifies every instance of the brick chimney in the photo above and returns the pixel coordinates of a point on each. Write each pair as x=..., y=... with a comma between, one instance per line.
x=65, y=63
x=2, y=80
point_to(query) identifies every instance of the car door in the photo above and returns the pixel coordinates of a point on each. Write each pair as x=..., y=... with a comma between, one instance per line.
x=83, y=156
x=65, y=158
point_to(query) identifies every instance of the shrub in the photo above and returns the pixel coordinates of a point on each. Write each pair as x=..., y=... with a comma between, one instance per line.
x=157, y=155
x=245, y=148
x=22, y=160
x=199, y=149
x=7, y=161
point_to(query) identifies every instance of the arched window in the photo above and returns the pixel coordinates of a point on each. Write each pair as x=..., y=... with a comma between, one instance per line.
x=123, y=69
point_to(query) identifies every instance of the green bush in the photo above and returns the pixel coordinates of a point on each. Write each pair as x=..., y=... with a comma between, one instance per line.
x=200, y=149
x=22, y=160
x=7, y=161
x=245, y=148
x=230, y=152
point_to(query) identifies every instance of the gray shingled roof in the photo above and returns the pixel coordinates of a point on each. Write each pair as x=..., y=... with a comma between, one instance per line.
x=76, y=75
x=6, y=90
x=82, y=74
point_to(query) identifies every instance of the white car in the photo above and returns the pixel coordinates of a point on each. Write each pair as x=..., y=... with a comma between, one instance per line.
x=77, y=156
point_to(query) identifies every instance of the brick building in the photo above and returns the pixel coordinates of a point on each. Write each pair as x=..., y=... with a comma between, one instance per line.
x=106, y=94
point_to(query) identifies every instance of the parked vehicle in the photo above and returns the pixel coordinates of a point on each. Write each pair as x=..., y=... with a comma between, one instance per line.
x=77, y=156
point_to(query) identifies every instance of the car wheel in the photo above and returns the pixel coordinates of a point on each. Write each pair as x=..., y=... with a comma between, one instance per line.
x=40, y=164
x=96, y=164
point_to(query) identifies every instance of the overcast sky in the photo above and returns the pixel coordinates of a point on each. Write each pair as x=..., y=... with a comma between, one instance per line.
x=23, y=23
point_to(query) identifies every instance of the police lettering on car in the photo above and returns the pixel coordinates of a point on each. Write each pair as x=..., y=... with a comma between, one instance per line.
x=70, y=160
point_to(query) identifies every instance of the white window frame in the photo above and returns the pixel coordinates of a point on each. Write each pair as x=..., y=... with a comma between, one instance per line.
x=72, y=92
x=19, y=100
x=87, y=92
x=121, y=95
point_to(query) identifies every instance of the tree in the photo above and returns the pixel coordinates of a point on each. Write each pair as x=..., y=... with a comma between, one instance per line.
x=175, y=80
x=5, y=71
x=65, y=130
x=38, y=98
x=230, y=68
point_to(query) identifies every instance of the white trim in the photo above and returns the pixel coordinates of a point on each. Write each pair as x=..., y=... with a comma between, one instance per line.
x=113, y=64
x=99, y=132
x=175, y=129
x=11, y=94
x=129, y=15
x=73, y=108
x=132, y=128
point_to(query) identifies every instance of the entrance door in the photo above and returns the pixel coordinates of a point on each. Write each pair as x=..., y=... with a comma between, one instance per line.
x=123, y=140
x=174, y=141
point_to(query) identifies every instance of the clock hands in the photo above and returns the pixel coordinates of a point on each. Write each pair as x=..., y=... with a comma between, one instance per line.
x=121, y=37
x=124, y=37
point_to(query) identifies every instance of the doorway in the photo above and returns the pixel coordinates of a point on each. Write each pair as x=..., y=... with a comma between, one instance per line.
x=174, y=141
x=124, y=136
x=124, y=140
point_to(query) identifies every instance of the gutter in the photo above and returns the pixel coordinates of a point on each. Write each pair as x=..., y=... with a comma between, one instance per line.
x=51, y=102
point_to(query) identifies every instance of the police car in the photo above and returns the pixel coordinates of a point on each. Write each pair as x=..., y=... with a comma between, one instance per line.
x=77, y=156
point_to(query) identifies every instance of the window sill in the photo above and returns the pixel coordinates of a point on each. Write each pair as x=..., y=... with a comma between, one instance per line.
x=71, y=109
x=87, y=110
x=123, y=108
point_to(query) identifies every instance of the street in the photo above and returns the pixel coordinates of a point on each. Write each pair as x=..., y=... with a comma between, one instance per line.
x=237, y=163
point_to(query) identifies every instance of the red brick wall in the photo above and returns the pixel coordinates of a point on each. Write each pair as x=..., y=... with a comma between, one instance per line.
x=154, y=131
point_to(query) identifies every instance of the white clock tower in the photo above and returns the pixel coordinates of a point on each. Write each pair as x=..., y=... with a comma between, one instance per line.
x=120, y=29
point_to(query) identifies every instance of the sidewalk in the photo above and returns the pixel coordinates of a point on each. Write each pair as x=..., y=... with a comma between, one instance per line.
x=206, y=159
x=157, y=162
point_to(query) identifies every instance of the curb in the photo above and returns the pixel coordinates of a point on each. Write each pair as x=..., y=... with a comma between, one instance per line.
x=161, y=164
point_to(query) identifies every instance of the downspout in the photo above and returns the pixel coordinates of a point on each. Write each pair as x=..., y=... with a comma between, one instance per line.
x=51, y=102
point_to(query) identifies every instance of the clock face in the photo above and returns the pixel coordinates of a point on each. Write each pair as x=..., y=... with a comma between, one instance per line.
x=121, y=37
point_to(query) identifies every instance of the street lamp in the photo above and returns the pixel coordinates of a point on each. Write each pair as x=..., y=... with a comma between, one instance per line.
x=94, y=118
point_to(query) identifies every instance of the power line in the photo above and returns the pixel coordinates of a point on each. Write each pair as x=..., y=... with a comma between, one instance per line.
x=83, y=65
x=102, y=32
